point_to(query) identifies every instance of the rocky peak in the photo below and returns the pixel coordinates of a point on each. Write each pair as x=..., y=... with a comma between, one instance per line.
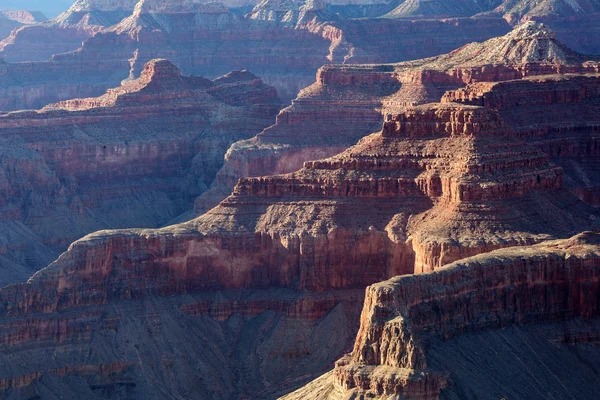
x=23, y=16
x=531, y=42
x=158, y=77
x=102, y=5
x=182, y=6
x=160, y=69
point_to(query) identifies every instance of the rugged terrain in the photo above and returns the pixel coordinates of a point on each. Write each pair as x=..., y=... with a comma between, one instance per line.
x=439, y=183
x=283, y=43
x=65, y=33
x=137, y=156
x=514, y=323
x=347, y=101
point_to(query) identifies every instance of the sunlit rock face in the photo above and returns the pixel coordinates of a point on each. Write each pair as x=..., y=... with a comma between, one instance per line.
x=348, y=102
x=458, y=332
x=438, y=184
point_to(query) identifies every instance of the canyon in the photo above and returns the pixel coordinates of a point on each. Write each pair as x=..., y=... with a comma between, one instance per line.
x=136, y=156
x=289, y=40
x=291, y=254
x=348, y=102
x=211, y=40
x=457, y=332
x=189, y=213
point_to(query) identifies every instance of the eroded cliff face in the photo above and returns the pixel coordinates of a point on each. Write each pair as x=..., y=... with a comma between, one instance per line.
x=42, y=39
x=347, y=101
x=136, y=156
x=410, y=318
x=438, y=184
x=225, y=345
x=288, y=42
x=537, y=114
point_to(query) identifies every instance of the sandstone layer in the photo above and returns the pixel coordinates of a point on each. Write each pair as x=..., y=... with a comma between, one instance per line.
x=535, y=307
x=136, y=156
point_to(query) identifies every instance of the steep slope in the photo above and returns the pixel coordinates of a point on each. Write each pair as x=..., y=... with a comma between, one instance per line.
x=347, y=100
x=7, y=25
x=441, y=9
x=439, y=183
x=64, y=33
x=136, y=156
x=515, y=10
x=460, y=332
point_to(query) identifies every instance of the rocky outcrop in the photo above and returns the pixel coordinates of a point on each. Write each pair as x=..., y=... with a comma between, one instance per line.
x=136, y=156
x=438, y=184
x=65, y=33
x=345, y=101
x=24, y=17
x=536, y=108
x=441, y=9
x=410, y=318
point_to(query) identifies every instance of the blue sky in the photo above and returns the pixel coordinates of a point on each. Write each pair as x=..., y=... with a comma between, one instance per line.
x=51, y=8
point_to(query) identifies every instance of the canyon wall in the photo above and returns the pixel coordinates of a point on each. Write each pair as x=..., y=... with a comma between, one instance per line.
x=136, y=156
x=410, y=318
x=439, y=183
x=346, y=101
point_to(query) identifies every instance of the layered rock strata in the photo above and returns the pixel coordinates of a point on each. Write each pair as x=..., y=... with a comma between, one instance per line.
x=136, y=156
x=285, y=54
x=536, y=108
x=65, y=33
x=356, y=94
x=410, y=324
x=438, y=184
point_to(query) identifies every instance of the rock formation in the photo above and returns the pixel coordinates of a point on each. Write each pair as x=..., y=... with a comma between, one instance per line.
x=441, y=9
x=515, y=10
x=137, y=156
x=440, y=183
x=24, y=17
x=287, y=46
x=64, y=33
x=413, y=327
x=575, y=21
x=307, y=130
